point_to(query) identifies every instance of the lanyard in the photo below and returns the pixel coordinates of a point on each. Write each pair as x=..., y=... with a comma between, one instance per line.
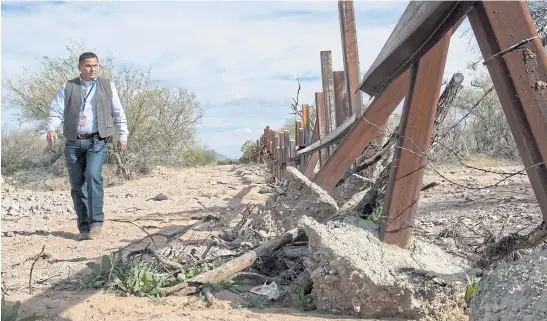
x=89, y=92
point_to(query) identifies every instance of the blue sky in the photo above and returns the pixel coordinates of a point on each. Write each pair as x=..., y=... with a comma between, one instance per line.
x=240, y=57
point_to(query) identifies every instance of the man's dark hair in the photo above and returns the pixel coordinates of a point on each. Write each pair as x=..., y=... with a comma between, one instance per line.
x=87, y=55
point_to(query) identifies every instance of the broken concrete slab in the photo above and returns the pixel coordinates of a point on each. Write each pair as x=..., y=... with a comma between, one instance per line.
x=353, y=272
x=294, y=197
x=349, y=208
x=513, y=291
x=351, y=185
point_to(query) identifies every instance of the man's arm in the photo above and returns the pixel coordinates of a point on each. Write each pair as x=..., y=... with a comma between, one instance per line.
x=119, y=114
x=57, y=110
x=56, y=115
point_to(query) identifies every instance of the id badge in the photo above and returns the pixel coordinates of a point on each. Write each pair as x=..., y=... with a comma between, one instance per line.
x=82, y=120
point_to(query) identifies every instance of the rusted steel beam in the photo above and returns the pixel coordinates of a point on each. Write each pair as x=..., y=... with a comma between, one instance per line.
x=293, y=151
x=307, y=132
x=312, y=163
x=287, y=152
x=275, y=154
x=409, y=157
x=298, y=139
x=272, y=138
x=331, y=138
x=267, y=135
x=313, y=158
x=322, y=125
x=350, y=53
x=361, y=133
x=306, y=123
x=328, y=91
x=421, y=26
x=281, y=154
x=340, y=102
x=517, y=64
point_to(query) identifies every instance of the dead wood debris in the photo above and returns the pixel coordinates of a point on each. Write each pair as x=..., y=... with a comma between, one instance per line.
x=507, y=248
x=228, y=253
x=238, y=264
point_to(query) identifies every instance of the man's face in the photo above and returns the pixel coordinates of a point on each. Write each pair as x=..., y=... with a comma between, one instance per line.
x=89, y=69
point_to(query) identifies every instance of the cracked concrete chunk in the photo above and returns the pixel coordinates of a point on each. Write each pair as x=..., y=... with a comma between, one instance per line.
x=375, y=280
x=513, y=291
x=352, y=185
x=350, y=207
x=296, y=196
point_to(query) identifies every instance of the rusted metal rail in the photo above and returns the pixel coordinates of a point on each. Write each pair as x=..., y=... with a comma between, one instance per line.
x=411, y=65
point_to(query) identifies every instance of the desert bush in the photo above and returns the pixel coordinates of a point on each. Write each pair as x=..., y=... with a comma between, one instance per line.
x=161, y=121
x=227, y=162
x=21, y=150
x=11, y=312
x=25, y=149
x=248, y=148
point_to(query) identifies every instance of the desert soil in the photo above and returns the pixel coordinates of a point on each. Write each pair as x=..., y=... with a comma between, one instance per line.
x=453, y=217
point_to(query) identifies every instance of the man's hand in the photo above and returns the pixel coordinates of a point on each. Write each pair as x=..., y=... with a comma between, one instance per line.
x=122, y=144
x=51, y=138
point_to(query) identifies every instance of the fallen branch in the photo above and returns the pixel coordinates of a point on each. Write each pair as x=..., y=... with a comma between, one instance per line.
x=506, y=247
x=259, y=277
x=160, y=240
x=388, y=146
x=178, y=233
x=232, y=267
x=208, y=294
x=162, y=259
x=293, y=252
x=36, y=258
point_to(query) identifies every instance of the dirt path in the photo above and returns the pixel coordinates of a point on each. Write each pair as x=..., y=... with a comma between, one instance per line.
x=32, y=220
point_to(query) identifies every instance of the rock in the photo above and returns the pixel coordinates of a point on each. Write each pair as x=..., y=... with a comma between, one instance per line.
x=449, y=242
x=9, y=234
x=15, y=207
x=513, y=291
x=377, y=280
x=296, y=196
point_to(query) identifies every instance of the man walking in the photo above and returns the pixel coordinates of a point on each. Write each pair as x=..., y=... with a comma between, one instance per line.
x=88, y=106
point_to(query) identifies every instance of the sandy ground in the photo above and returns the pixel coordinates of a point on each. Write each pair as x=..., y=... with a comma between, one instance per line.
x=32, y=220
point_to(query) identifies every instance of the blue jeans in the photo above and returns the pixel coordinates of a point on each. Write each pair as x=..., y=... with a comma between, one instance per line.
x=84, y=159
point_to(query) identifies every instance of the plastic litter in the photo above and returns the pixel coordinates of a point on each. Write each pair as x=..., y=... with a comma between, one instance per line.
x=269, y=290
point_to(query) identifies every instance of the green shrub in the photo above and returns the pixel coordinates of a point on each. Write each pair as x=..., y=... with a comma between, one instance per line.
x=11, y=312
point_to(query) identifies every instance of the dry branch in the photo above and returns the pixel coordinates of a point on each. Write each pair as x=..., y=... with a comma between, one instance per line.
x=259, y=277
x=208, y=294
x=160, y=240
x=36, y=258
x=388, y=146
x=232, y=267
x=504, y=250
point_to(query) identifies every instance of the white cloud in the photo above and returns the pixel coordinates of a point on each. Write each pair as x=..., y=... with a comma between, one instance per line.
x=243, y=130
x=235, y=55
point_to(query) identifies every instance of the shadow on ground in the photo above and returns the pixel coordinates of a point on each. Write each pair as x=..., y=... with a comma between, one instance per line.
x=63, y=295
